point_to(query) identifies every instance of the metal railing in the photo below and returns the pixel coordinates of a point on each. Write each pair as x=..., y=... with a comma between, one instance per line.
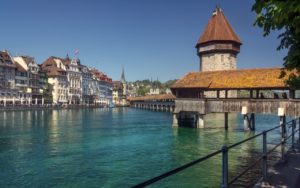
x=225, y=182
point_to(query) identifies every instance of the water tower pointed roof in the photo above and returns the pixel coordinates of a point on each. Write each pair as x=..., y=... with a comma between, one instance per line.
x=218, y=29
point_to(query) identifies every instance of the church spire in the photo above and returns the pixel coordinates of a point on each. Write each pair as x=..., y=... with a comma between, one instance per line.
x=123, y=76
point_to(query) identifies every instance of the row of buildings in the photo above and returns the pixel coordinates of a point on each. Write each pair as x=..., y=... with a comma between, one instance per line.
x=55, y=81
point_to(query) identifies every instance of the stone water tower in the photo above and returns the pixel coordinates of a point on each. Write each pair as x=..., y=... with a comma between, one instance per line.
x=218, y=45
x=217, y=48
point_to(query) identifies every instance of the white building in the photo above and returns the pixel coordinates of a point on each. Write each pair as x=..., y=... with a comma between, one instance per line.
x=57, y=77
x=87, y=85
x=101, y=88
x=74, y=76
x=27, y=77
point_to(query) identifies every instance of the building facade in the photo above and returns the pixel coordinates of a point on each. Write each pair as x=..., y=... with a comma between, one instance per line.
x=7, y=71
x=101, y=88
x=118, y=94
x=87, y=85
x=74, y=76
x=28, y=77
x=57, y=78
x=8, y=91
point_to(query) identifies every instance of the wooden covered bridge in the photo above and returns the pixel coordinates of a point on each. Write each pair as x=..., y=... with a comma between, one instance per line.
x=246, y=91
x=162, y=102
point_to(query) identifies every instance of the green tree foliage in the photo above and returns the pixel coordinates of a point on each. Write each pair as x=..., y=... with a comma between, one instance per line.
x=143, y=86
x=47, y=95
x=169, y=83
x=282, y=15
x=142, y=91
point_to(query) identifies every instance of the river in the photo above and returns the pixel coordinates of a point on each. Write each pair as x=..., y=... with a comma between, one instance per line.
x=117, y=147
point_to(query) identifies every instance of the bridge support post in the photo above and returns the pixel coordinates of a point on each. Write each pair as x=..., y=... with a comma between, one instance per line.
x=281, y=114
x=252, y=121
x=226, y=120
x=246, y=123
x=200, y=121
x=246, y=119
x=283, y=132
x=299, y=129
x=175, y=120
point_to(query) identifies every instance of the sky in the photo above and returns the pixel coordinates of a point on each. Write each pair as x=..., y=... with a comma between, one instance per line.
x=149, y=38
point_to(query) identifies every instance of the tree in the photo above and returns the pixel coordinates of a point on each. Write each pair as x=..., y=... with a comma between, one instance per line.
x=283, y=15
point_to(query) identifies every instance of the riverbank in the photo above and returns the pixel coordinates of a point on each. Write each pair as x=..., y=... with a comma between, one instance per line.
x=49, y=106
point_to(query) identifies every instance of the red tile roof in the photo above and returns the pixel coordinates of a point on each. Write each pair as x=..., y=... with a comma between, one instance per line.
x=100, y=75
x=218, y=29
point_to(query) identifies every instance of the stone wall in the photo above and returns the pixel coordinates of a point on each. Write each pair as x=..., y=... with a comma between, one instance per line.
x=217, y=61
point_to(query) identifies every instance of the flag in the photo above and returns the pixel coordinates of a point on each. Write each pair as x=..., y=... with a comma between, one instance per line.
x=76, y=52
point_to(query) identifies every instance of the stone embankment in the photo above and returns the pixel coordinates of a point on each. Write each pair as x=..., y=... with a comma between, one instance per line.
x=48, y=106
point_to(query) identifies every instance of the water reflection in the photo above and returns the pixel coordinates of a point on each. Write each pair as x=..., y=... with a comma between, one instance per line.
x=113, y=147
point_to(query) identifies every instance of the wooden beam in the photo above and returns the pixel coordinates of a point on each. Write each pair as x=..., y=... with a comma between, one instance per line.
x=251, y=94
x=292, y=94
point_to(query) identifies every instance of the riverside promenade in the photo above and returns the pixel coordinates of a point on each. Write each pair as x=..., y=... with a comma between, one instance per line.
x=285, y=174
x=49, y=106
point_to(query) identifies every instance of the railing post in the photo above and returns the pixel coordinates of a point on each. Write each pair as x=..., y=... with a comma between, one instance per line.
x=224, y=167
x=283, y=132
x=293, y=134
x=299, y=128
x=265, y=157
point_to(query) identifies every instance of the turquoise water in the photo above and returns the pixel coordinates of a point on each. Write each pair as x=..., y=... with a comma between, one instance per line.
x=117, y=147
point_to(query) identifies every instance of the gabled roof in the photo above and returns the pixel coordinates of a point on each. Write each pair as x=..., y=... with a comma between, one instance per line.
x=100, y=75
x=51, y=67
x=28, y=59
x=218, y=29
x=264, y=78
x=6, y=60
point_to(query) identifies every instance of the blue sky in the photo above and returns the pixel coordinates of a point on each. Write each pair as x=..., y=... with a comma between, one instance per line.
x=149, y=38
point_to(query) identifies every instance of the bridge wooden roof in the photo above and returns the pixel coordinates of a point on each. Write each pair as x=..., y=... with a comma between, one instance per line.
x=263, y=78
x=152, y=97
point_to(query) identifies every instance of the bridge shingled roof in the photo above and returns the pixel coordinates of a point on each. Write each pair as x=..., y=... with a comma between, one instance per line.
x=152, y=97
x=263, y=78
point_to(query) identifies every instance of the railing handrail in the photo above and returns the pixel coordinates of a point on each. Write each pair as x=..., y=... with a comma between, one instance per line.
x=227, y=148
